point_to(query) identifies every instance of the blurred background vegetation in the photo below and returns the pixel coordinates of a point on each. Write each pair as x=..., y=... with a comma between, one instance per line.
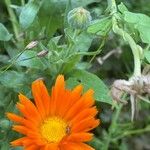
x=50, y=22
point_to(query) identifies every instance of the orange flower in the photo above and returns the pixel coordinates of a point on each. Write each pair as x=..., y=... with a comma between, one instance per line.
x=61, y=121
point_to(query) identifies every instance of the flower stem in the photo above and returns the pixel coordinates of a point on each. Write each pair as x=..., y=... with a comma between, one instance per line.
x=126, y=36
x=133, y=132
x=22, y=2
x=112, y=128
x=12, y=18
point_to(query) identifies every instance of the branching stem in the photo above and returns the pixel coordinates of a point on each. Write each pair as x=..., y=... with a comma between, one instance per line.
x=126, y=36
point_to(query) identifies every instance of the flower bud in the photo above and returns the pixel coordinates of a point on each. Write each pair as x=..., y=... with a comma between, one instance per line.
x=42, y=53
x=31, y=45
x=79, y=18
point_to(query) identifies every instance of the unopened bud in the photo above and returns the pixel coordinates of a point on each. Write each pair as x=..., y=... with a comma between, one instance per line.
x=79, y=18
x=42, y=53
x=31, y=45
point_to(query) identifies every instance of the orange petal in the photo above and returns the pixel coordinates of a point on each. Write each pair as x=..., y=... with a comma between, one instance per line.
x=85, y=125
x=76, y=146
x=84, y=114
x=21, y=120
x=69, y=99
x=80, y=137
x=41, y=97
x=18, y=142
x=57, y=91
x=86, y=101
x=30, y=107
x=15, y=117
x=22, y=109
x=88, y=98
x=52, y=146
x=27, y=142
x=32, y=147
x=20, y=129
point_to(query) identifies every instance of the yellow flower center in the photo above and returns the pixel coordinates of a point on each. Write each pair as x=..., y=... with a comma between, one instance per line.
x=53, y=129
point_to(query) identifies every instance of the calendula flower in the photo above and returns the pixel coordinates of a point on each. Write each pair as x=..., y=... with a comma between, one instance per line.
x=60, y=121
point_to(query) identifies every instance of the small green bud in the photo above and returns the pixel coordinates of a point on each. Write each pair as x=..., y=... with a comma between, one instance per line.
x=79, y=18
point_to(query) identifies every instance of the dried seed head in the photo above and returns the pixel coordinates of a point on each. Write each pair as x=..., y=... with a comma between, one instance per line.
x=136, y=87
x=31, y=45
x=42, y=53
x=118, y=88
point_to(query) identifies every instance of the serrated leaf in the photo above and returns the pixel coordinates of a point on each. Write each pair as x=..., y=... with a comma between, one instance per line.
x=30, y=59
x=101, y=26
x=4, y=34
x=28, y=13
x=90, y=81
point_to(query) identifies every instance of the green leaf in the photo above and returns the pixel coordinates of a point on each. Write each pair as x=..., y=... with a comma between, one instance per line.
x=53, y=43
x=12, y=79
x=83, y=42
x=30, y=59
x=4, y=124
x=79, y=3
x=122, y=8
x=28, y=13
x=4, y=34
x=147, y=55
x=17, y=148
x=16, y=82
x=95, y=143
x=137, y=18
x=4, y=58
x=101, y=26
x=141, y=22
x=144, y=33
x=90, y=81
x=5, y=146
x=70, y=63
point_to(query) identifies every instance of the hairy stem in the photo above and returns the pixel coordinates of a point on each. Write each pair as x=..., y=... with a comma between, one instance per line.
x=134, y=47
